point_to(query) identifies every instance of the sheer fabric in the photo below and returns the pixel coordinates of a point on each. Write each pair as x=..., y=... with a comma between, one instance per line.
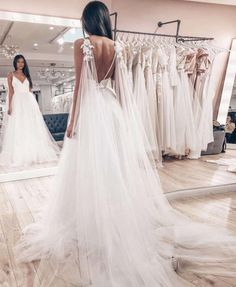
x=107, y=221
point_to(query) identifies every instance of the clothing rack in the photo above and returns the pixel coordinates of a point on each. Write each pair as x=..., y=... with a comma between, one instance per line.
x=115, y=14
x=160, y=24
x=181, y=38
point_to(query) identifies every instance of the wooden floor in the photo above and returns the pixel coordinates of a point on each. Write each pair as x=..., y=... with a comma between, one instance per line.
x=189, y=174
x=7, y=170
x=20, y=201
x=176, y=175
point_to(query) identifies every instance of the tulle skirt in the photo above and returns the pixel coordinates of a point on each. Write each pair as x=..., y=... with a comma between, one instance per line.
x=191, y=129
x=169, y=132
x=181, y=118
x=25, y=138
x=107, y=220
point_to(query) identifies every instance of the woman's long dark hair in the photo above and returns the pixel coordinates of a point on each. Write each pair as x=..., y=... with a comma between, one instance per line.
x=25, y=70
x=96, y=19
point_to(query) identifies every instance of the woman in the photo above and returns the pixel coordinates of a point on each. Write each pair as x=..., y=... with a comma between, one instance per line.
x=107, y=222
x=229, y=129
x=25, y=138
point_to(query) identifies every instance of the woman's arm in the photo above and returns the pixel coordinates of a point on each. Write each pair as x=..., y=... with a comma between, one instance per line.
x=10, y=93
x=78, y=61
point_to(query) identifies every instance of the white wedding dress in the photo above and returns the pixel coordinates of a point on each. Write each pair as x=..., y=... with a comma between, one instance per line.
x=107, y=222
x=25, y=139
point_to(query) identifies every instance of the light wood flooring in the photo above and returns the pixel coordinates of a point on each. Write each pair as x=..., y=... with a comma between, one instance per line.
x=176, y=175
x=189, y=174
x=7, y=170
x=20, y=201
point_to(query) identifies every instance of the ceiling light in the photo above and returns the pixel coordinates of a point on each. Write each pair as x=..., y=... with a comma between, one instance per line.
x=53, y=73
x=9, y=51
x=60, y=41
x=51, y=28
x=36, y=44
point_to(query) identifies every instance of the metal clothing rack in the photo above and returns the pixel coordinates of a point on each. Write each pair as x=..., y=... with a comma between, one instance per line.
x=178, y=38
x=115, y=14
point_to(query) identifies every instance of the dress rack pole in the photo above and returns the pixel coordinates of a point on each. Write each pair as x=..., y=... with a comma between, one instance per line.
x=160, y=24
x=115, y=25
x=180, y=38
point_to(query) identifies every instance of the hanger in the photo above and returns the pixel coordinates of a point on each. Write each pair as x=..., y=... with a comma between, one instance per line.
x=220, y=49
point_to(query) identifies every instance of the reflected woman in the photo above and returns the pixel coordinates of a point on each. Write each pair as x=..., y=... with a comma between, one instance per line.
x=25, y=139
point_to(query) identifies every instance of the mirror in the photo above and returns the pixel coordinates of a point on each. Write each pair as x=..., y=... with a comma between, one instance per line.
x=227, y=111
x=47, y=46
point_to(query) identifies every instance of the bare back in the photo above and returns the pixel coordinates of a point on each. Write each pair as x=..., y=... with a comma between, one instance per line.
x=104, y=53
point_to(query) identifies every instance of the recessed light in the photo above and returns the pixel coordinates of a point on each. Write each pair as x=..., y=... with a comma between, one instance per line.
x=36, y=44
x=51, y=28
x=60, y=41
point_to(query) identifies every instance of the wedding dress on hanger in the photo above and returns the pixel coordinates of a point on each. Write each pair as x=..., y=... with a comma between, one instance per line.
x=180, y=109
x=25, y=138
x=107, y=222
x=190, y=128
x=143, y=104
x=167, y=112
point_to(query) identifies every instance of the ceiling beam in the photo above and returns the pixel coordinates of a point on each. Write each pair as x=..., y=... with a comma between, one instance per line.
x=6, y=32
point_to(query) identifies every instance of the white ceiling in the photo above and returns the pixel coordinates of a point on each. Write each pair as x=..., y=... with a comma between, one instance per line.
x=48, y=50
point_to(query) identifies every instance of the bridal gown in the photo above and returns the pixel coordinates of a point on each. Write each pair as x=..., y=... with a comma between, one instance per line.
x=25, y=139
x=143, y=104
x=107, y=222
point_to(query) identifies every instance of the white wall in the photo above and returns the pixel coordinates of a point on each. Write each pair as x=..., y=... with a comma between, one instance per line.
x=45, y=99
x=69, y=8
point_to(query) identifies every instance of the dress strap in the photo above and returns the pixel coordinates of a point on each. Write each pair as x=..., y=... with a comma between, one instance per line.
x=112, y=63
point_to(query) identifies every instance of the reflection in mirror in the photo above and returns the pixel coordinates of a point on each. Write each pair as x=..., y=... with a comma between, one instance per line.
x=26, y=143
x=227, y=111
x=230, y=130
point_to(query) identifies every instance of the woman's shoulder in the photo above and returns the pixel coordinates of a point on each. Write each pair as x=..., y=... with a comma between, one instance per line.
x=10, y=75
x=78, y=43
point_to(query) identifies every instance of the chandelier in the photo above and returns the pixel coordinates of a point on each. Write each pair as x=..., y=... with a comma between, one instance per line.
x=9, y=51
x=51, y=73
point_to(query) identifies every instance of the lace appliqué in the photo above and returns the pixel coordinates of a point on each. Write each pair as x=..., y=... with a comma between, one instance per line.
x=87, y=50
x=119, y=50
